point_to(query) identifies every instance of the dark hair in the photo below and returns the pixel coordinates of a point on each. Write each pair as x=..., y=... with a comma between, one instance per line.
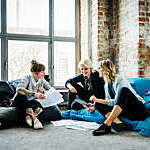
x=36, y=67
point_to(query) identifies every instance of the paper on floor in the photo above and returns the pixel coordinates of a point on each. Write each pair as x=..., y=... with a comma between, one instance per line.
x=75, y=124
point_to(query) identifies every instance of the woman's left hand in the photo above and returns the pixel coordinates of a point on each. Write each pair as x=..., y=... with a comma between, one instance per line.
x=91, y=109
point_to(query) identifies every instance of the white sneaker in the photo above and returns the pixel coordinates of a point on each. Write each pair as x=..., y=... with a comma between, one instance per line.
x=38, y=110
x=29, y=120
x=37, y=124
x=29, y=111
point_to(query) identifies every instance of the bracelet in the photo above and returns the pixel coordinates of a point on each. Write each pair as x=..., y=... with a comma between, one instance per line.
x=33, y=94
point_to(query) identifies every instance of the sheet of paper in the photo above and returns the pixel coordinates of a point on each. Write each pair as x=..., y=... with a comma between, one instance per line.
x=53, y=97
x=75, y=124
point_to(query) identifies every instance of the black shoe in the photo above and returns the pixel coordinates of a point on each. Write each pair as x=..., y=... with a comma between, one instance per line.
x=121, y=126
x=103, y=129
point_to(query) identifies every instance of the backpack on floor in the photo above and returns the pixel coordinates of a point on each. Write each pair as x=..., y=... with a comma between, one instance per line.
x=6, y=93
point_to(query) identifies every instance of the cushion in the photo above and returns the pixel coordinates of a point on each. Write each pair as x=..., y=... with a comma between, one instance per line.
x=147, y=101
x=84, y=115
x=143, y=127
x=141, y=85
x=146, y=97
x=9, y=113
x=132, y=123
x=9, y=117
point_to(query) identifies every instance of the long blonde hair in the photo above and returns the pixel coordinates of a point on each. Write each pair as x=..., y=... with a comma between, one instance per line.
x=109, y=69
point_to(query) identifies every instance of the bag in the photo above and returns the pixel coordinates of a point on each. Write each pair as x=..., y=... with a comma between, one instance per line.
x=9, y=117
x=6, y=90
x=5, y=103
x=6, y=93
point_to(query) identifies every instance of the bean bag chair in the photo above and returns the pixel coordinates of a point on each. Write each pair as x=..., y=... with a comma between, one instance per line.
x=84, y=115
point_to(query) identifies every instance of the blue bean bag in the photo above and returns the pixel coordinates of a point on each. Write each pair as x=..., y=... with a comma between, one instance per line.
x=83, y=114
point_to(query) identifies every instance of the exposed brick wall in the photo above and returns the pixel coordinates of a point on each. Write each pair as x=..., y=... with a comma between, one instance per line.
x=144, y=38
x=103, y=29
x=100, y=29
x=121, y=31
x=114, y=32
x=128, y=31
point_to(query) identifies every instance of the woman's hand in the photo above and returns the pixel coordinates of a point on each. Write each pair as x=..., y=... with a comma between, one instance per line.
x=39, y=96
x=91, y=109
x=41, y=90
x=93, y=99
x=73, y=90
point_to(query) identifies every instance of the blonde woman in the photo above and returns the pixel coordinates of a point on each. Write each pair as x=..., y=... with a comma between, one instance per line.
x=84, y=85
x=121, y=100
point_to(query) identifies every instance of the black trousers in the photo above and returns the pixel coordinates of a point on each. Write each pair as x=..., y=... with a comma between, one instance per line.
x=21, y=102
x=132, y=108
x=82, y=93
x=50, y=113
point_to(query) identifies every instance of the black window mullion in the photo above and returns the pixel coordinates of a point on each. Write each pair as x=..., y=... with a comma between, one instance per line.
x=51, y=43
x=4, y=42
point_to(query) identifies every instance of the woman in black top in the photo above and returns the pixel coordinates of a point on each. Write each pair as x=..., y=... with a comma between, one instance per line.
x=84, y=85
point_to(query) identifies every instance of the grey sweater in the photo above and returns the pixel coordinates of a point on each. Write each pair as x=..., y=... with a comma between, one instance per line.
x=119, y=83
x=28, y=82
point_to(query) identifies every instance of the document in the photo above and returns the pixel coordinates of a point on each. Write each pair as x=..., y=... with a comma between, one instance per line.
x=53, y=97
x=76, y=124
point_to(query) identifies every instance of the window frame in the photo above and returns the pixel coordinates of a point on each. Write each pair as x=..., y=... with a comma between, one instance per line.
x=5, y=37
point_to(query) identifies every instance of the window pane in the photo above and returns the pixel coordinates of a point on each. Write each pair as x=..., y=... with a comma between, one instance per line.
x=64, y=62
x=0, y=16
x=0, y=60
x=20, y=54
x=64, y=18
x=28, y=16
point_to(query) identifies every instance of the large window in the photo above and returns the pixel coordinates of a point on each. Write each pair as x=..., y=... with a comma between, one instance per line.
x=28, y=16
x=0, y=59
x=64, y=62
x=20, y=54
x=45, y=30
x=64, y=18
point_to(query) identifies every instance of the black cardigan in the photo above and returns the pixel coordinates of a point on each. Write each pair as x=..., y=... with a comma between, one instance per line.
x=96, y=85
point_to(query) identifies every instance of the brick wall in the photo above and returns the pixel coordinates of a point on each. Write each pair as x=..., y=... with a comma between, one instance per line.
x=100, y=29
x=128, y=31
x=120, y=30
x=144, y=39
